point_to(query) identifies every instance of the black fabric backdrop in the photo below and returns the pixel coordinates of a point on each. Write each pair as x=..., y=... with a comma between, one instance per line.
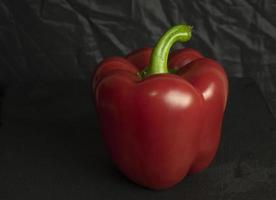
x=50, y=146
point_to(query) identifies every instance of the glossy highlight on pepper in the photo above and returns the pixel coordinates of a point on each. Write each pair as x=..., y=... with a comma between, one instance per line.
x=160, y=114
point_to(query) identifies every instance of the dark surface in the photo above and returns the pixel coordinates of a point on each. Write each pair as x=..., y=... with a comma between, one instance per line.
x=50, y=148
x=1, y=99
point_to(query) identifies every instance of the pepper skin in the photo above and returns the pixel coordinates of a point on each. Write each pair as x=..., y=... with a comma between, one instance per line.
x=161, y=123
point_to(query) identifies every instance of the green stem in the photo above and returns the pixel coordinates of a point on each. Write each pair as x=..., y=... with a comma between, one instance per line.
x=160, y=53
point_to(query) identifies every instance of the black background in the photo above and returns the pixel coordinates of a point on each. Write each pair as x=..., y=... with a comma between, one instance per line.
x=50, y=145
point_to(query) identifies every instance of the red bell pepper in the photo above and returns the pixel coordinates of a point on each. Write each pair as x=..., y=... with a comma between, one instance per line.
x=160, y=124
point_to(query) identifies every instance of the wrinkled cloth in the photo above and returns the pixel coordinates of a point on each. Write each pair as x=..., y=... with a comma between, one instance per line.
x=65, y=39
